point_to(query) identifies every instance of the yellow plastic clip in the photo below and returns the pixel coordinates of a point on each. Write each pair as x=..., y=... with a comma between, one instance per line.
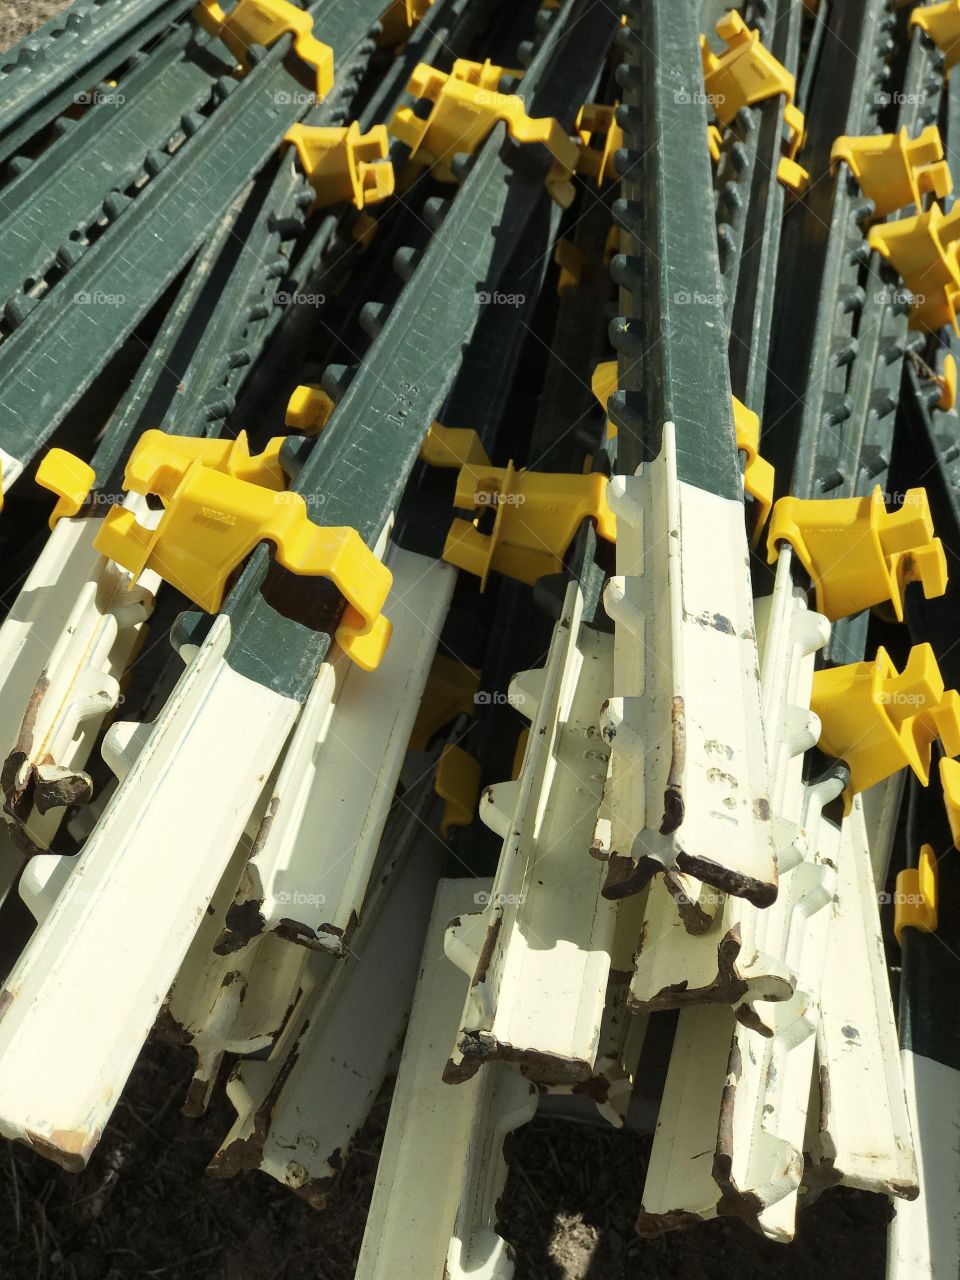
x=789, y=171
x=309, y=409
x=714, y=142
x=758, y=474
x=745, y=73
x=342, y=163
x=950, y=782
x=231, y=457
x=212, y=521
x=941, y=22
x=264, y=22
x=597, y=121
x=457, y=783
x=466, y=107
x=923, y=251
x=915, y=900
x=400, y=19
x=878, y=720
x=67, y=476
x=947, y=382
x=537, y=515
x=603, y=384
x=453, y=447
x=894, y=170
x=569, y=259
x=451, y=692
x=858, y=553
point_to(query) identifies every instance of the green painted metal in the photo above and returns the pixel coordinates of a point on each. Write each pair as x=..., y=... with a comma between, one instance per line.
x=75, y=50
x=750, y=209
x=358, y=469
x=819, y=296
x=673, y=356
x=57, y=351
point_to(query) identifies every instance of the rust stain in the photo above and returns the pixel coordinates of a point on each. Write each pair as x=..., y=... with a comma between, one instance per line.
x=673, y=795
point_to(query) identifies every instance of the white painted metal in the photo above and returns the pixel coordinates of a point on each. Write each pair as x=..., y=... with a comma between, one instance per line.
x=434, y=1210
x=83, y=995
x=314, y=854
x=863, y=1136
x=881, y=811
x=11, y=469
x=539, y=965
x=232, y=1003
x=740, y=955
x=735, y=1103
x=299, y=1111
x=64, y=648
x=610, y=1084
x=688, y=784
x=924, y=1239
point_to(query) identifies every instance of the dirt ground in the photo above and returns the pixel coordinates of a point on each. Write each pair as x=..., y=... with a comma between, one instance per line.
x=146, y=1208
x=17, y=20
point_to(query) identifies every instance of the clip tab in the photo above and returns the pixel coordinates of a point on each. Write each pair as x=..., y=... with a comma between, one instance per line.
x=400, y=19
x=457, y=783
x=309, y=409
x=894, y=170
x=569, y=258
x=264, y=22
x=857, y=553
x=758, y=474
x=451, y=692
x=603, y=384
x=342, y=164
x=595, y=120
x=915, y=900
x=466, y=107
x=453, y=447
x=923, y=251
x=230, y=457
x=950, y=783
x=878, y=720
x=67, y=476
x=537, y=517
x=941, y=22
x=211, y=523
